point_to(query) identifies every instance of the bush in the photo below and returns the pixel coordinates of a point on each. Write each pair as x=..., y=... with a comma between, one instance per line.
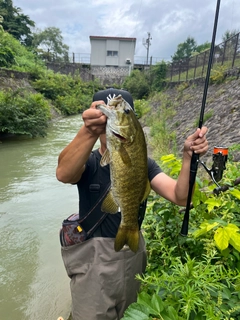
x=137, y=85
x=197, y=276
x=24, y=113
x=69, y=94
x=16, y=56
x=218, y=74
x=158, y=75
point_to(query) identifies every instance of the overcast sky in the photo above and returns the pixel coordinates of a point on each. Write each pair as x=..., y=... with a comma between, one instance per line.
x=169, y=22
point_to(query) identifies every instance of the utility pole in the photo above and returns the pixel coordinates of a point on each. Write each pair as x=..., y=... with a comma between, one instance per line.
x=147, y=44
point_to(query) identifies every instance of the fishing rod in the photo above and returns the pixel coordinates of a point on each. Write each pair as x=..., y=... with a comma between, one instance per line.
x=195, y=157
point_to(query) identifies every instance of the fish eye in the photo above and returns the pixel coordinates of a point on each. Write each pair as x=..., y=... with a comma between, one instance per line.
x=126, y=111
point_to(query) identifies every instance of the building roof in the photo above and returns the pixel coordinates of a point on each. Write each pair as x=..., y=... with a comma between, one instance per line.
x=112, y=38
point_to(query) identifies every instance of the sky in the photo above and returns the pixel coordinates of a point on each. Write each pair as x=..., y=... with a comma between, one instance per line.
x=169, y=22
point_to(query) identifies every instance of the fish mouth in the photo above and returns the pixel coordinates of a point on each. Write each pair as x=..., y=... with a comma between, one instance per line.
x=117, y=135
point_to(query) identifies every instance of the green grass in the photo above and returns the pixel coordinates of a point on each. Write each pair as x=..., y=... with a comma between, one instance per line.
x=199, y=72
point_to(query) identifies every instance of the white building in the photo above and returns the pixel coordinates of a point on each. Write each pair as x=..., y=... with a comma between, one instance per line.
x=112, y=51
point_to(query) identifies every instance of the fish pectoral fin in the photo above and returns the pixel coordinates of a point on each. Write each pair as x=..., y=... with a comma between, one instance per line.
x=124, y=156
x=147, y=191
x=105, y=158
x=109, y=205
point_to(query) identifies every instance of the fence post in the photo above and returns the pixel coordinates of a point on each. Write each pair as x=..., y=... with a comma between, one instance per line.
x=224, y=49
x=179, y=70
x=235, y=51
x=171, y=70
x=195, y=66
x=187, y=68
x=204, y=59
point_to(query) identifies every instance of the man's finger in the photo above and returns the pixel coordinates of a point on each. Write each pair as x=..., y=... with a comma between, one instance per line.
x=96, y=103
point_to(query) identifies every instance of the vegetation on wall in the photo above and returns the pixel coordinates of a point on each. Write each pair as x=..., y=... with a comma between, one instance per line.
x=23, y=113
x=138, y=84
x=15, y=56
x=69, y=94
x=158, y=75
x=142, y=83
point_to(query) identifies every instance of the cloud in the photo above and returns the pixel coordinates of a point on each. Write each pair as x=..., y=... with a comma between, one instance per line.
x=169, y=22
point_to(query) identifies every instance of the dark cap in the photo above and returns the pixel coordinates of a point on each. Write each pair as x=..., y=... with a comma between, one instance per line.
x=110, y=93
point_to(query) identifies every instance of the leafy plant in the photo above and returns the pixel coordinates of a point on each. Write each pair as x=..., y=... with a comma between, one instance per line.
x=68, y=94
x=150, y=307
x=142, y=107
x=137, y=84
x=16, y=56
x=158, y=74
x=197, y=276
x=196, y=289
x=24, y=113
x=218, y=74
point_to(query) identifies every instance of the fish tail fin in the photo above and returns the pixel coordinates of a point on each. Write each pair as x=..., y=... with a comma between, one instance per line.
x=127, y=236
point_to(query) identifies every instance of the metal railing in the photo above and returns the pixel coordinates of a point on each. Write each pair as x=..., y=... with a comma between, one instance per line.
x=79, y=58
x=85, y=58
x=143, y=61
x=226, y=53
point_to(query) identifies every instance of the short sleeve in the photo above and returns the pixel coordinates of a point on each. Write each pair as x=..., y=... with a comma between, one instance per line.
x=153, y=169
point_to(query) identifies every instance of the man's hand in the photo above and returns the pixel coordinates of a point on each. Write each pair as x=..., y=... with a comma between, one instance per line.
x=197, y=142
x=94, y=120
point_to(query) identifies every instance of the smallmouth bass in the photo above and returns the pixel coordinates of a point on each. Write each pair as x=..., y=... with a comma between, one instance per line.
x=126, y=155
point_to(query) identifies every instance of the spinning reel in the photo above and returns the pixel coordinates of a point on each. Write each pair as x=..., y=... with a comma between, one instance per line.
x=220, y=155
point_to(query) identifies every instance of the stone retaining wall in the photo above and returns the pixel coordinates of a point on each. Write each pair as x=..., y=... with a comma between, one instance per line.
x=222, y=110
x=110, y=75
x=106, y=75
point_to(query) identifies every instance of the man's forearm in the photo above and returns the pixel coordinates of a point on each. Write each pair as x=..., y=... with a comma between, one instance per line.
x=72, y=159
x=182, y=186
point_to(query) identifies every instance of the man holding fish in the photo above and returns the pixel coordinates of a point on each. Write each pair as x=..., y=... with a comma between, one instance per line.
x=103, y=268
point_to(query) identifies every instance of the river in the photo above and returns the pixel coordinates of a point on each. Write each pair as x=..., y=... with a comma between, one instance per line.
x=33, y=281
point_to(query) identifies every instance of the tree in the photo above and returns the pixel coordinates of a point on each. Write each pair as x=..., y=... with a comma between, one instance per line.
x=16, y=23
x=185, y=49
x=229, y=34
x=49, y=43
x=202, y=47
x=230, y=43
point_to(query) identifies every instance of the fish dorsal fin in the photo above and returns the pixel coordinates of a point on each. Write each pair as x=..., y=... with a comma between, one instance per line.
x=105, y=158
x=109, y=205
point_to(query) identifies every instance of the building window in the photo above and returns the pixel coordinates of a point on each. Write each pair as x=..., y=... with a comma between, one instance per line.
x=111, y=53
